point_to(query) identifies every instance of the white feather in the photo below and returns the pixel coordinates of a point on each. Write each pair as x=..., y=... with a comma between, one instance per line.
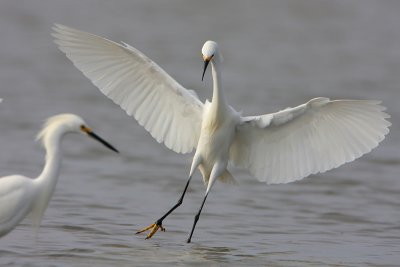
x=171, y=113
x=314, y=137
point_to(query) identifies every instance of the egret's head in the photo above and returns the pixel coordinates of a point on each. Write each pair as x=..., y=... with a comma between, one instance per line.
x=68, y=123
x=210, y=52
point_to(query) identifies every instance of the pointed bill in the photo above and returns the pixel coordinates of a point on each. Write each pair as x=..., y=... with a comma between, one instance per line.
x=98, y=138
x=206, y=62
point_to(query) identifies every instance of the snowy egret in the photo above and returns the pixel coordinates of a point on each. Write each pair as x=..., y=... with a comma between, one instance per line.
x=280, y=147
x=20, y=195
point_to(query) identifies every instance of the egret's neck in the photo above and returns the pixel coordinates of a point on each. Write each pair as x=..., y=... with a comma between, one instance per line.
x=48, y=177
x=47, y=180
x=218, y=97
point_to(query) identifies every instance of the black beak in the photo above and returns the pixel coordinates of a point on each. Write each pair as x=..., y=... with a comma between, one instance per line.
x=101, y=140
x=205, y=68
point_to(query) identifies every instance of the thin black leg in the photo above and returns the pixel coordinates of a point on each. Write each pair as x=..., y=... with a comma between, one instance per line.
x=158, y=224
x=180, y=201
x=196, y=218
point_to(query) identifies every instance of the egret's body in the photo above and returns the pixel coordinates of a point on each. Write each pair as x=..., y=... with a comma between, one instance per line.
x=217, y=132
x=14, y=189
x=279, y=147
x=20, y=195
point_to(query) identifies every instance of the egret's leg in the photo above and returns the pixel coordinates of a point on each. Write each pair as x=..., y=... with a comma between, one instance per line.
x=196, y=218
x=158, y=224
x=217, y=170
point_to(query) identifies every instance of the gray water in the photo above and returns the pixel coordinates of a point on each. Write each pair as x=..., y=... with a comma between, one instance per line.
x=277, y=54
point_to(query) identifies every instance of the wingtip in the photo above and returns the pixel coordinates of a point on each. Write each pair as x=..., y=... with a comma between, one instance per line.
x=57, y=27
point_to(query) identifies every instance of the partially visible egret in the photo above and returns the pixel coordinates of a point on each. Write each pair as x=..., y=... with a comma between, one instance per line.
x=20, y=195
x=280, y=147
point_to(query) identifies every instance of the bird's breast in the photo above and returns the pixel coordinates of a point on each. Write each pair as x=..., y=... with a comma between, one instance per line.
x=215, y=139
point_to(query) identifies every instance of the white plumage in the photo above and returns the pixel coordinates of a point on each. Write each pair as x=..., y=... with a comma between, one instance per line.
x=276, y=148
x=21, y=196
x=314, y=137
x=14, y=191
x=167, y=110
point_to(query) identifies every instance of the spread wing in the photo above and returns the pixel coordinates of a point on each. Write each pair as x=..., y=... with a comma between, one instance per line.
x=314, y=137
x=171, y=113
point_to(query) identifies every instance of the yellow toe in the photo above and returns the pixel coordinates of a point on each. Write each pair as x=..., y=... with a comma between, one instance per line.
x=153, y=229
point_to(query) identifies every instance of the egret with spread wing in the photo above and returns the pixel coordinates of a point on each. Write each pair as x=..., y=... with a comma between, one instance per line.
x=276, y=148
x=21, y=196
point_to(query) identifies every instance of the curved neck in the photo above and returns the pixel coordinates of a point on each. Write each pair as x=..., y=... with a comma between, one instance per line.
x=52, y=165
x=47, y=180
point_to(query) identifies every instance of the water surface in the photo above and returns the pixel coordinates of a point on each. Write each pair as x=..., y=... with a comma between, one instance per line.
x=277, y=54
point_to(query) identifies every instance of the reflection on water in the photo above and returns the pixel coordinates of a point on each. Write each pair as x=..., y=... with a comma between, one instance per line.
x=277, y=54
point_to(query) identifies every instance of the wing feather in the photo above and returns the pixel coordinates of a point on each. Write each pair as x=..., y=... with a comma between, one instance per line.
x=314, y=137
x=171, y=113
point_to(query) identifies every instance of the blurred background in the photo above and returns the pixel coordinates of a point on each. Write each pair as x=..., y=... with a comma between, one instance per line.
x=277, y=54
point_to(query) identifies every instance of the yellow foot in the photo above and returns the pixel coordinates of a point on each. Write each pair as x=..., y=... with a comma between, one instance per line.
x=154, y=228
